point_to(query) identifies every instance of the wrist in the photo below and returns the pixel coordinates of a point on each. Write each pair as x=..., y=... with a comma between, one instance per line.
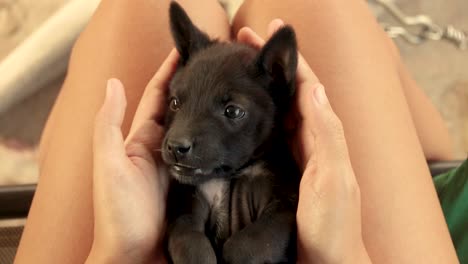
x=100, y=255
x=106, y=254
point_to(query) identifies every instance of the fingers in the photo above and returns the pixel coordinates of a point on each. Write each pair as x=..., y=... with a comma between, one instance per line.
x=305, y=80
x=248, y=36
x=304, y=75
x=313, y=107
x=304, y=72
x=146, y=132
x=153, y=102
x=108, y=139
x=274, y=26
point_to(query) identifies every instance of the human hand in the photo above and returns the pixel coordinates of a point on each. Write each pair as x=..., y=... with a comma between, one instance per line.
x=329, y=210
x=129, y=184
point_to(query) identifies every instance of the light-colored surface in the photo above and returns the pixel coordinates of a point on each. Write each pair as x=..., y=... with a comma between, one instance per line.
x=17, y=167
x=440, y=69
x=12, y=222
x=25, y=121
x=40, y=58
x=20, y=18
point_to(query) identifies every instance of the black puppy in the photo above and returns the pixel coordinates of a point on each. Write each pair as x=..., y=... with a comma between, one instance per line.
x=234, y=197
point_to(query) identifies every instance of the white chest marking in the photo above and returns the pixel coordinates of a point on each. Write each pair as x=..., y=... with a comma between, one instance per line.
x=256, y=170
x=214, y=191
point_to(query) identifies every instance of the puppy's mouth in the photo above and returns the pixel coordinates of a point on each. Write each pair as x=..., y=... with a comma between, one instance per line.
x=179, y=168
x=192, y=175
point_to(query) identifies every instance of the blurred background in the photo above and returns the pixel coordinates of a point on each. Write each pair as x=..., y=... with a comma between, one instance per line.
x=32, y=69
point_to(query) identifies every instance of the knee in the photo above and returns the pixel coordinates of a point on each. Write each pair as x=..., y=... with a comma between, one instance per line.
x=393, y=49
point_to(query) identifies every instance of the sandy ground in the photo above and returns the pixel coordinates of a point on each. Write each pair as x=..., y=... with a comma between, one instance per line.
x=438, y=67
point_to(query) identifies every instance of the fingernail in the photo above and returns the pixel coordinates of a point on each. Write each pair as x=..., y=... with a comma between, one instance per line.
x=279, y=21
x=319, y=94
x=111, y=84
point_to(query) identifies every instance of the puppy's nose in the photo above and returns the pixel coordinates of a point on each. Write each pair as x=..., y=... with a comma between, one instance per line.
x=180, y=147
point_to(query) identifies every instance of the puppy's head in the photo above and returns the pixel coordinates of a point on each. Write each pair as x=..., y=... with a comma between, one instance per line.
x=223, y=100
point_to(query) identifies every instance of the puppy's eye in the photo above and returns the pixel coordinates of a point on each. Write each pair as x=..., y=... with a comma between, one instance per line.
x=234, y=112
x=174, y=105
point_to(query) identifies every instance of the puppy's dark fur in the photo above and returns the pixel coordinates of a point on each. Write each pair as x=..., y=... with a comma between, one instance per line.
x=234, y=194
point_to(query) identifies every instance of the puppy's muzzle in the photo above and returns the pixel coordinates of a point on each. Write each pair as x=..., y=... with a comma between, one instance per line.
x=180, y=148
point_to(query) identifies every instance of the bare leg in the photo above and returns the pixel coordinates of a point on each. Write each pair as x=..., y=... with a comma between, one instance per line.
x=432, y=132
x=430, y=127
x=127, y=40
x=370, y=91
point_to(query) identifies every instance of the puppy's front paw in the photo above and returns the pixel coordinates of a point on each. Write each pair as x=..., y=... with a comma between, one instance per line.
x=194, y=248
x=244, y=248
x=233, y=252
x=241, y=250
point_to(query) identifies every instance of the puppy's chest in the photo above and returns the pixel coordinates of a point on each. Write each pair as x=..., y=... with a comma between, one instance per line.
x=216, y=193
x=236, y=203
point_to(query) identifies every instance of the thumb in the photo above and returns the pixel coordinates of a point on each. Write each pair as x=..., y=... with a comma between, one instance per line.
x=108, y=139
x=321, y=121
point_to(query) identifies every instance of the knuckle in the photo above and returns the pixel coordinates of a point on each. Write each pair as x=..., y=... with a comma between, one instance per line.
x=352, y=188
x=100, y=128
x=156, y=81
x=336, y=134
x=336, y=126
x=97, y=125
x=99, y=118
x=307, y=180
x=131, y=148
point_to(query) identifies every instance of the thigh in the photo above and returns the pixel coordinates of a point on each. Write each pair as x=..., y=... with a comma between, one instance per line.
x=345, y=47
x=432, y=131
x=124, y=39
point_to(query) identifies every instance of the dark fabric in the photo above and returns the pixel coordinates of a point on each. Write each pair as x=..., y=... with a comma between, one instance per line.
x=9, y=239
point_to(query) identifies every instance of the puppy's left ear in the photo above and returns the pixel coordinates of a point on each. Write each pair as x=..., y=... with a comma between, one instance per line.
x=278, y=58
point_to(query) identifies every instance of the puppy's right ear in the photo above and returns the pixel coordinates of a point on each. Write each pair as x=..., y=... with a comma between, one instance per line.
x=278, y=58
x=187, y=37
